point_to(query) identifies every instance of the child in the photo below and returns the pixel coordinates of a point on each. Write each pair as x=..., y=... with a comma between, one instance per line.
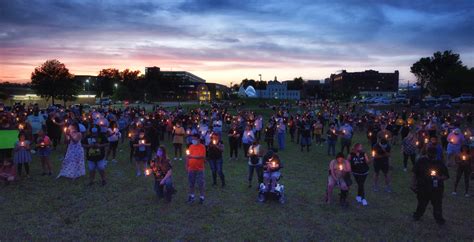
x=22, y=155
x=7, y=171
x=44, y=151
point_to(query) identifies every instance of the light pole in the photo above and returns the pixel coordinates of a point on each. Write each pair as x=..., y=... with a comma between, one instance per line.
x=260, y=75
x=87, y=83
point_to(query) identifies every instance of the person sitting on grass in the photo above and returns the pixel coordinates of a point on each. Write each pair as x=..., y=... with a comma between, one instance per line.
x=7, y=171
x=271, y=169
x=162, y=171
x=338, y=168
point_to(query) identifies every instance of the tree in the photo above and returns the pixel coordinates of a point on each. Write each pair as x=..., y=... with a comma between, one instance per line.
x=53, y=80
x=106, y=80
x=133, y=83
x=432, y=71
x=298, y=83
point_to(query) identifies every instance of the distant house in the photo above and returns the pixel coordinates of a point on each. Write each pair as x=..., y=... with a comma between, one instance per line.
x=366, y=83
x=278, y=90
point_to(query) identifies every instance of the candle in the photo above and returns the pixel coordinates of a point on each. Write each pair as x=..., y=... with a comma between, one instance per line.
x=426, y=140
x=417, y=143
x=65, y=129
x=187, y=152
x=115, y=130
x=370, y=134
x=373, y=153
x=464, y=157
x=433, y=173
x=20, y=126
x=22, y=143
x=341, y=167
x=42, y=144
x=147, y=172
x=129, y=134
x=386, y=136
x=214, y=142
x=142, y=141
x=273, y=164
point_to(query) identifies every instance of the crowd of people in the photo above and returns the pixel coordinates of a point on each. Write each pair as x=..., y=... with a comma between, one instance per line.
x=432, y=141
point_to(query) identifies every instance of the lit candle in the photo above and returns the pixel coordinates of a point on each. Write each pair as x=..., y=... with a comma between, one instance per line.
x=42, y=144
x=386, y=136
x=214, y=142
x=22, y=143
x=370, y=134
x=187, y=152
x=373, y=153
x=341, y=167
x=464, y=157
x=65, y=129
x=417, y=143
x=426, y=140
x=142, y=141
x=147, y=172
x=433, y=173
x=129, y=134
x=20, y=126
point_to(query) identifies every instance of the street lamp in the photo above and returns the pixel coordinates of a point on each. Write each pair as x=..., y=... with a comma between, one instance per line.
x=85, y=86
x=116, y=85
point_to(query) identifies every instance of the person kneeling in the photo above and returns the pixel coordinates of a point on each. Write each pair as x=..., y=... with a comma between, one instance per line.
x=338, y=172
x=271, y=172
x=162, y=170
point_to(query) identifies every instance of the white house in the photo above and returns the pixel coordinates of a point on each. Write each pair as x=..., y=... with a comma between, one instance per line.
x=278, y=90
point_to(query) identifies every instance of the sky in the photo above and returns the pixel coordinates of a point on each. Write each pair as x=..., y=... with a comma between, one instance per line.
x=228, y=40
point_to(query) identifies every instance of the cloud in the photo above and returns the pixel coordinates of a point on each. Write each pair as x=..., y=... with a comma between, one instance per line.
x=230, y=37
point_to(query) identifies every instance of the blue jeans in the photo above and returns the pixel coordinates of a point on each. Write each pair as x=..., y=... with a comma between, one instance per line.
x=259, y=170
x=160, y=190
x=332, y=147
x=216, y=168
x=281, y=141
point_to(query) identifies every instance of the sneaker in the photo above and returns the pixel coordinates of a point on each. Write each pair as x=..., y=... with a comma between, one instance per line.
x=114, y=161
x=180, y=158
x=467, y=195
x=454, y=193
x=364, y=202
x=190, y=199
x=359, y=199
x=138, y=174
x=405, y=169
x=201, y=200
x=388, y=189
x=176, y=158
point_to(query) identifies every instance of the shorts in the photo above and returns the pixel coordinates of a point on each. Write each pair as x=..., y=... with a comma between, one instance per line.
x=272, y=175
x=381, y=165
x=44, y=152
x=196, y=177
x=97, y=165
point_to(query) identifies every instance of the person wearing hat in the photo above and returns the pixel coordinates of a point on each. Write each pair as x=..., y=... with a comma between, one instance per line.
x=455, y=141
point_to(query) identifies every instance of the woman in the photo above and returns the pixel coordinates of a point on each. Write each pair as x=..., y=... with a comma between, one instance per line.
x=381, y=157
x=162, y=171
x=463, y=160
x=234, y=138
x=360, y=170
x=141, y=150
x=338, y=168
x=248, y=137
x=409, y=148
x=317, y=132
x=269, y=135
x=215, y=150
x=113, y=136
x=255, y=162
x=73, y=164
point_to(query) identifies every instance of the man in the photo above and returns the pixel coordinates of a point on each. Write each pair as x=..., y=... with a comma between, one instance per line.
x=196, y=155
x=381, y=157
x=215, y=150
x=346, y=133
x=36, y=121
x=95, y=144
x=428, y=184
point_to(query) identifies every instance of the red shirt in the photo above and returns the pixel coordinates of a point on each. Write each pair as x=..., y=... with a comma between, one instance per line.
x=197, y=164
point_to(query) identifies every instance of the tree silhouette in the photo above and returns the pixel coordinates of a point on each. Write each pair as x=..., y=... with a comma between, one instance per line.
x=106, y=80
x=53, y=80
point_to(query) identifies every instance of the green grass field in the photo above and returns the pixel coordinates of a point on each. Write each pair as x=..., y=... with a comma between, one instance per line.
x=42, y=208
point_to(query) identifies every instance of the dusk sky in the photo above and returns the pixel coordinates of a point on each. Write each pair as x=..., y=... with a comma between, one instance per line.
x=228, y=40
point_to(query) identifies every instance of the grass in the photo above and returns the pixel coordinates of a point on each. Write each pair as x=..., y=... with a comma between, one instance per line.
x=42, y=208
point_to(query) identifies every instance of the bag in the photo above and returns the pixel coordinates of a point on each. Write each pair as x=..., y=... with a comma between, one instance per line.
x=347, y=179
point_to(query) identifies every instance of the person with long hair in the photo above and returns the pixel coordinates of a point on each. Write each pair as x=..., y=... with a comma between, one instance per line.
x=409, y=149
x=73, y=164
x=161, y=168
x=360, y=170
x=113, y=136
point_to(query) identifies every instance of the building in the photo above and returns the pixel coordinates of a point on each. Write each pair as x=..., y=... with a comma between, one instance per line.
x=278, y=90
x=366, y=83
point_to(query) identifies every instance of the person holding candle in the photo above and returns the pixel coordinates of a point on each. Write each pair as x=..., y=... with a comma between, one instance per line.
x=429, y=175
x=317, y=132
x=234, y=139
x=271, y=169
x=346, y=133
x=36, y=122
x=305, y=135
x=141, y=151
x=464, y=161
x=269, y=135
x=178, y=141
x=360, y=170
x=73, y=165
x=215, y=150
x=338, y=170
x=22, y=154
x=43, y=144
x=113, y=137
x=195, y=167
x=94, y=145
x=255, y=162
x=161, y=168
x=281, y=130
x=248, y=138
x=381, y=158
x=133, y=131
x=455, y=140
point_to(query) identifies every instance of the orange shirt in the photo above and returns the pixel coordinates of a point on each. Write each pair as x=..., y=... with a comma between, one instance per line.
x=197, y=164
